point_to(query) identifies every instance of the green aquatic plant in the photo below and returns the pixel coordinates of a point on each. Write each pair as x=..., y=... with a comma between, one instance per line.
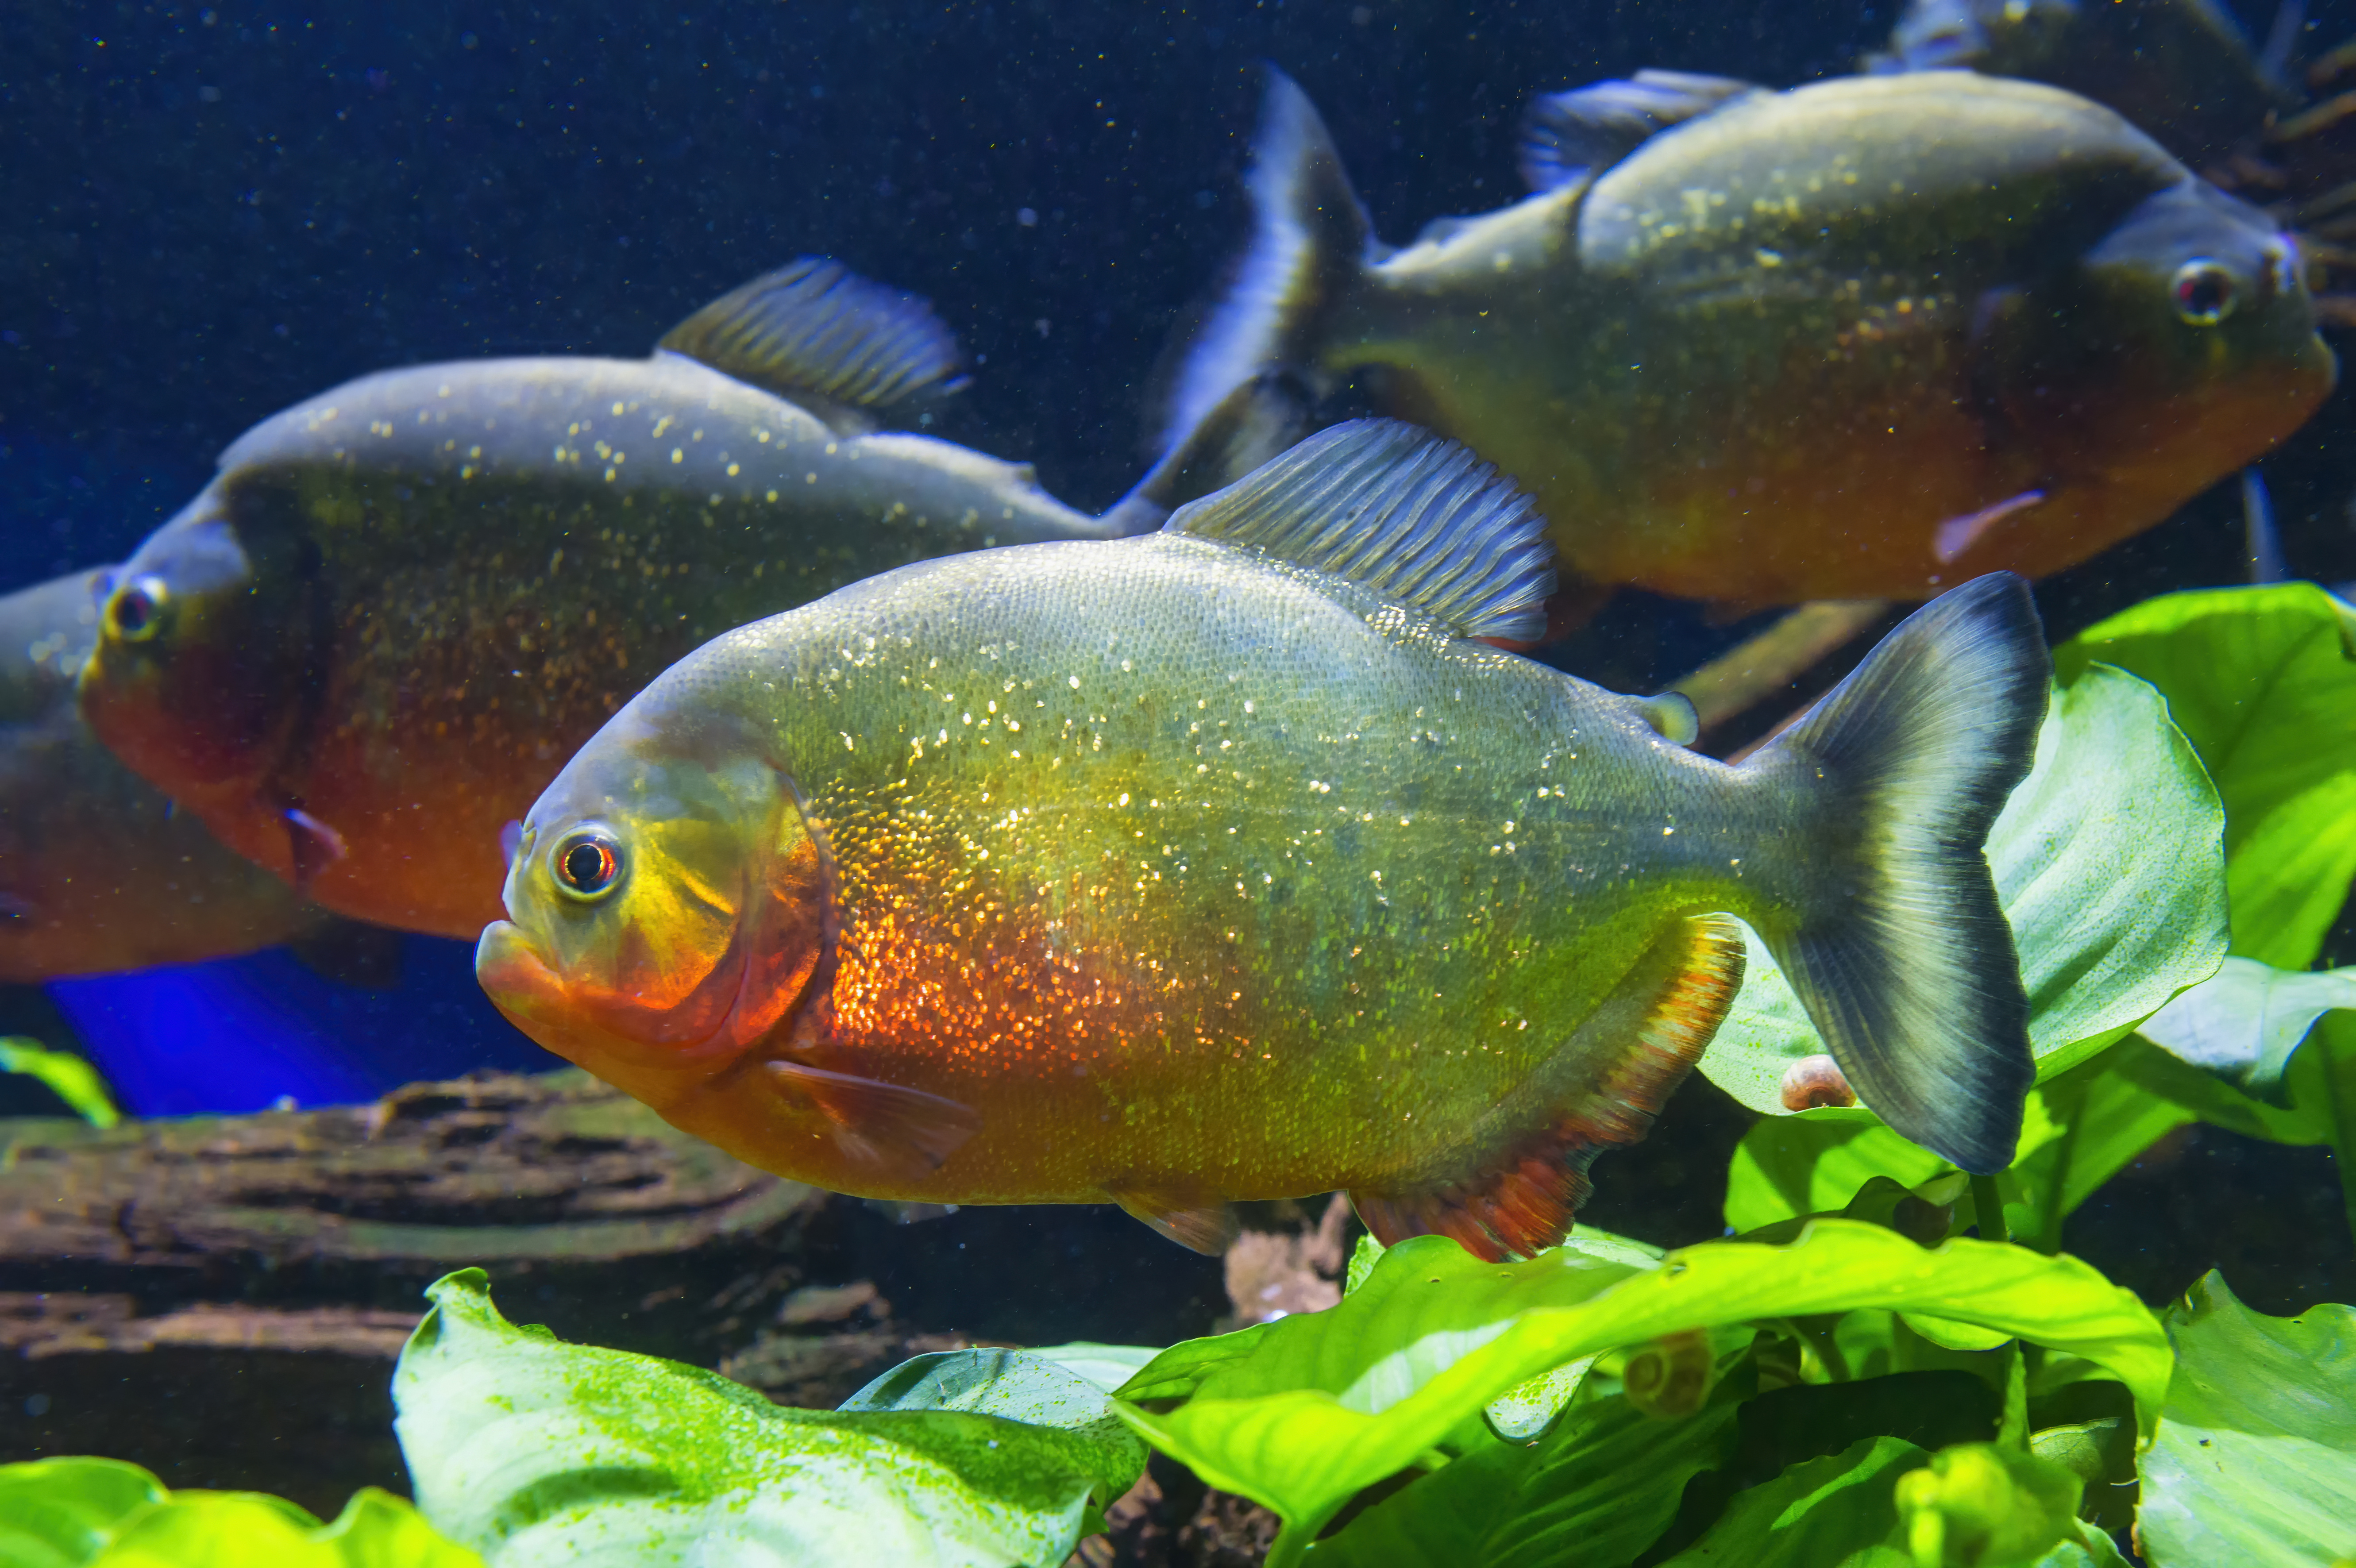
x=1839, y=1384
x=66, y=1075
x=2255, y=1460
x=2262, y=681
x=1306, y=1413
x=2143, y=850
x=103, y=1513
x=533, y=1451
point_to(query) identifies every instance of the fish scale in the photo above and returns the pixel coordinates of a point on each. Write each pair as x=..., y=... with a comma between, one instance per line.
x=1175, y=871
x=1783, y=347
x=378, y=634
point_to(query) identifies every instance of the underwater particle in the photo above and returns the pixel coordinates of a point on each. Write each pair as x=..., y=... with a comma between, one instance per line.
x=1814, y=1082
x=1027, y=216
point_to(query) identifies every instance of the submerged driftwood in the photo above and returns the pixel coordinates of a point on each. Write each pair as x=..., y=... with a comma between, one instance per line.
x=221, y=1298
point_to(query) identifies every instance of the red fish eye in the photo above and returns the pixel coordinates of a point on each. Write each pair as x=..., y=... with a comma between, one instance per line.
x=586, y=864
x=2204, y=293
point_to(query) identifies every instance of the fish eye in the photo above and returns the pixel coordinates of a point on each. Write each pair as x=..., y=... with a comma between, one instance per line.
x=2204, y=293
x=587, y=864
x=136, y=612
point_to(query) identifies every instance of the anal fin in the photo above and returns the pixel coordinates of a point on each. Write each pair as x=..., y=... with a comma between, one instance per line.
x=1206, y=1228
x=1519, y=1199
x=900, y=1132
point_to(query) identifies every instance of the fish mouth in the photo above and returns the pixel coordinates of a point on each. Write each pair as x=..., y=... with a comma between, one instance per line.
x=518, y=982
x=537, y=1000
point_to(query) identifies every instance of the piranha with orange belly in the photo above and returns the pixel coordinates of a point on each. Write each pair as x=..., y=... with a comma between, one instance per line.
x=1222, y=863
x=1859, y=340
x=375, y=635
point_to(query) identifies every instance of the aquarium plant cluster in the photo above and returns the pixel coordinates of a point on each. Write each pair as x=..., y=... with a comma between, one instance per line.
x=1849, y=1378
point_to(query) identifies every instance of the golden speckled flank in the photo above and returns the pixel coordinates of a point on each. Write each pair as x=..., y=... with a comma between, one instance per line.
x=1187, y=873
x=472, y=567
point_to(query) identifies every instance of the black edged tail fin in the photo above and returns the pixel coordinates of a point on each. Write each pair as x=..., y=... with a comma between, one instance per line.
x=1309, y=238
x=1896, y=945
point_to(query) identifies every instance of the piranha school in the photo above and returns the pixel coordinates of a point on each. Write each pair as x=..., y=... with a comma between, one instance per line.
x=1687, y=844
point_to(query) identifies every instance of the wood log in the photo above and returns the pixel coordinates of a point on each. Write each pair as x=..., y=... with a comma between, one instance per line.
x=221, y=1298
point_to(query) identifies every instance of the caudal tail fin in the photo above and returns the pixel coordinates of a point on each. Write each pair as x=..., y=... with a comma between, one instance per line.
x=1895, y=943
x=1309, y=238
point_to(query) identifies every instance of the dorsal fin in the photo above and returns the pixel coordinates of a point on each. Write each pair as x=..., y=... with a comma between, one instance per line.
x=1570, y=137
x=814, y=327
x=1410, y=515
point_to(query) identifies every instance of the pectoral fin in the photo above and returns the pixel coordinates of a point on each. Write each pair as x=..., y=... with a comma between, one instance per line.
x=903, y=1134
x=312, y=846
x=1671, y=715
x=1518, y=1198
x=1206, y=1228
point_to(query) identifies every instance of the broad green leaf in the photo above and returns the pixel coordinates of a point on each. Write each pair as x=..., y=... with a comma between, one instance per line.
x=2101, y=1120
x=2262, y=682
x=2255, y=1460
x=2243, y=1022
x=1438, y=1520
x=102, y=1513
x=534, y=1451
x=2108, y=862
x=2322, y=1083
x=1815, y=1162
x=1606, y=1487
x=1107, y=1365
x=1523, y=1411
x=1827, y=1513
x=2204, y=1096
x=1014, y=1385
x=58, y=1513
x=67, y=1076
x=1302, y=1414
x=241, y=1529
x=1597, y=1491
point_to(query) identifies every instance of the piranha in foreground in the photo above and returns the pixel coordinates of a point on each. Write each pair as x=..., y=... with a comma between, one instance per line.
x=1863, y=339
x=1222, y=863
